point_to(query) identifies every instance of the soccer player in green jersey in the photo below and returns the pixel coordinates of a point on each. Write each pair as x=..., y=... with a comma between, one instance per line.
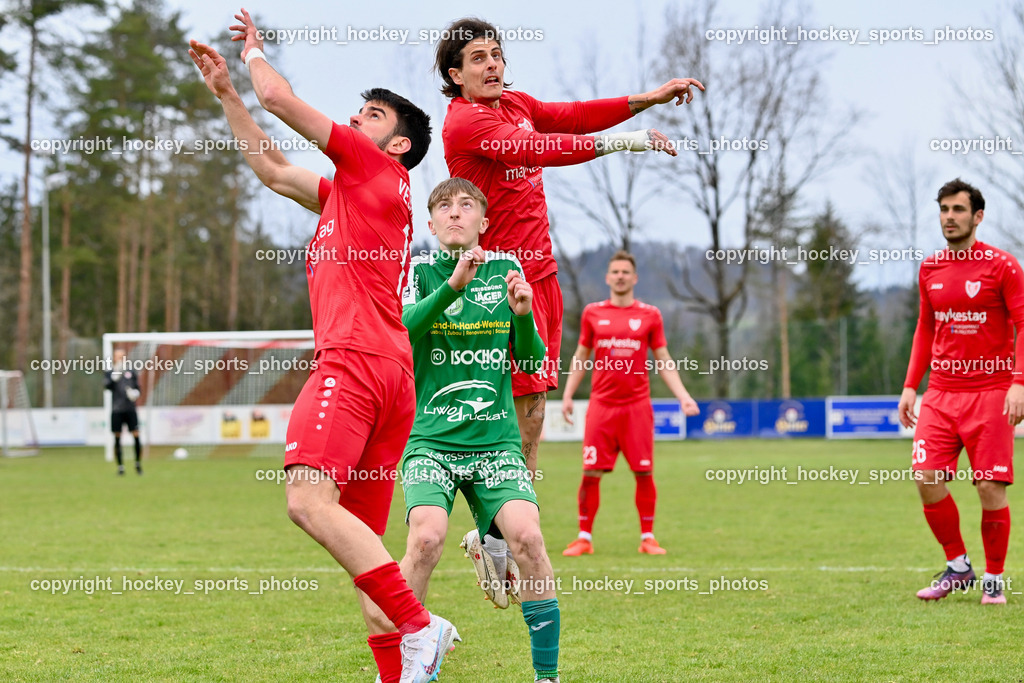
x=469, y=317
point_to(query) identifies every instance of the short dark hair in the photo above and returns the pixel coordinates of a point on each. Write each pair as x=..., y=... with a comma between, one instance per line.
x=956, y=187
x=447, y=189
x=448, y=54
x=412, y=123
x=623, y=255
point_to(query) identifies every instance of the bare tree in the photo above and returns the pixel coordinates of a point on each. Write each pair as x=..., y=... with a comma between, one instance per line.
x=996, y=110
x=614, y=189
x=31, y=16
x=904, y=188
x=766, y=105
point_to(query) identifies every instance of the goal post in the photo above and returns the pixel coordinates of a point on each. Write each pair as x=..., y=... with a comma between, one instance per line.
x=18, y=435
x=212, y=394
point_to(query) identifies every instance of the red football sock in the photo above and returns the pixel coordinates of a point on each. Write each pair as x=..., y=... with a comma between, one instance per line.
x=646, y=499
x=995, y=536
x=387, y=655
x=944, y=519
x=589, y=500
x=388, y=589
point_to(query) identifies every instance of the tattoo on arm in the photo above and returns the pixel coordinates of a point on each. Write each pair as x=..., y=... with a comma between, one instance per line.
x=637, y=104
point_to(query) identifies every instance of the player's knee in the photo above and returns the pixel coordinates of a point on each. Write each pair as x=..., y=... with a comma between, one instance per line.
x=426, y=545
x=300, y=507
x=526, y=541
x=992, y=493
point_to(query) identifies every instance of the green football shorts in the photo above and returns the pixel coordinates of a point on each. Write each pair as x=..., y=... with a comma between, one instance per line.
x=488, y=480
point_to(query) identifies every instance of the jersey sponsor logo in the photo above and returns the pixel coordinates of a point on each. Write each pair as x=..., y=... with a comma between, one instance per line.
x=936, y=285
x=616, y=343
x=972, y=288
x=1000, y=468
x=604, y=322
x=488, y=295
x=465, y=400
x=485, y=359
x=291, y=447
x=406, y=193
x=437, y=357
x=634, y=324
x=952, y=316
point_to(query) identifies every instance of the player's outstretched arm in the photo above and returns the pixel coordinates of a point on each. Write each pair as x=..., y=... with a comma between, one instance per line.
x=576, y=373
x=678, y=89
x=668, y=372
x=266, y=160
x=273, y=90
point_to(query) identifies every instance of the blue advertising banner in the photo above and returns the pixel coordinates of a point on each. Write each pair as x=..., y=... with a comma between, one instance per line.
x=864, y=417
x=722, y=420
x=668, y=419
x=791, y=418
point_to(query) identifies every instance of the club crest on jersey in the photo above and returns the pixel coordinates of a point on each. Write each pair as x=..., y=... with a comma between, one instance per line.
x=488, y=294
x=634, y=324
x=526, y=125
x=972, y=288
x=455, y=308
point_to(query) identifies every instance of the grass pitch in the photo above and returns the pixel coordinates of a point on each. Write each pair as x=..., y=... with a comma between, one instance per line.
x=793, y=579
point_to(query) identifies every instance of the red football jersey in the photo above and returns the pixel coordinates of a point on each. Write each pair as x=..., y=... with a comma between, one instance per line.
x=358, y=261
x=971, y=300
x=503, y=151
x=620, y=337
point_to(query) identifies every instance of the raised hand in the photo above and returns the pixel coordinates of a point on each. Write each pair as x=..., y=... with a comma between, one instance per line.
x=248, y=32
x=520, y=293
x=213, y=67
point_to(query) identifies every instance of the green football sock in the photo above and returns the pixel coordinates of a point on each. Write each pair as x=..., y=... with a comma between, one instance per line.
x=544, y=621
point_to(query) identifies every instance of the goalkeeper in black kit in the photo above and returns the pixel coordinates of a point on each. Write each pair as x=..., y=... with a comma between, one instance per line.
x=123, y=385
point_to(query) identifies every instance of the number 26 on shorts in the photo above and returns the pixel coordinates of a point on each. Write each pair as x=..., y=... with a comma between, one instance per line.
x=918, y=454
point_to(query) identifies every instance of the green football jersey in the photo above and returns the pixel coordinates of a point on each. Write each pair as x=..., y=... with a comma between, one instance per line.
x=463, y=345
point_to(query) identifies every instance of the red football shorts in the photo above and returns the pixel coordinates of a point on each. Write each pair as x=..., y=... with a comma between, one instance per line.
x=952, y=420
x=351, y=421
x=547, y=314
x=609, y=429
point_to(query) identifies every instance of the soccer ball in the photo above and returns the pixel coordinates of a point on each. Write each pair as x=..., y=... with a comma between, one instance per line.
x=180, y=454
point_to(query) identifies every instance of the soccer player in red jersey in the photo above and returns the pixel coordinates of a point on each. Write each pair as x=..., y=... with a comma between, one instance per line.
x=620, y=416
x=352, y=419
x=972, y=300
x=500, y=140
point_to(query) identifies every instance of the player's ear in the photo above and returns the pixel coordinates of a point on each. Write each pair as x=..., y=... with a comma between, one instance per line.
x=430, y=227
x=979, y=215
x=483, y=225
x=456, y=76
x=399, y=144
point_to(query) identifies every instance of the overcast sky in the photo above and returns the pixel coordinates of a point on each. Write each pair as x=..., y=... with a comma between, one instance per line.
x=905, y=88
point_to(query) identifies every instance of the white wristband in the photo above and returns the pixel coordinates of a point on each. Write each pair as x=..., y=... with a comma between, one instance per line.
x=633, y=141
x=252, y=54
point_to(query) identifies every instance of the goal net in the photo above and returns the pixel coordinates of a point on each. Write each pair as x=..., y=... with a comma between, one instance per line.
x=212, y=394
x=17, y=431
